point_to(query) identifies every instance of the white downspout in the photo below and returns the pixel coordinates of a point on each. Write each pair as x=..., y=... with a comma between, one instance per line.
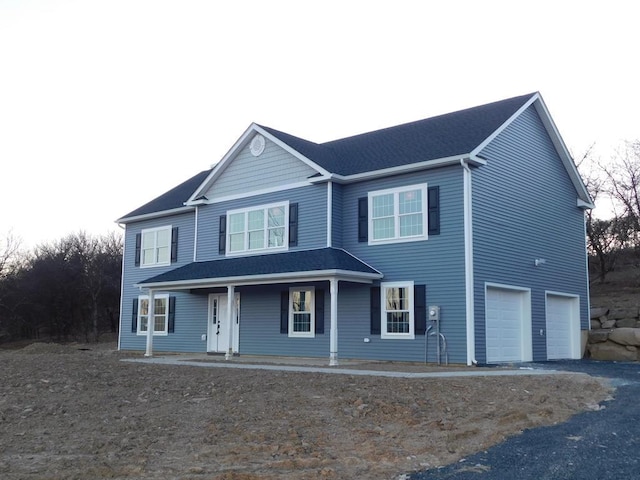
x=329, y=213
x=468, y=265
x=150, y=323
x=333, y=334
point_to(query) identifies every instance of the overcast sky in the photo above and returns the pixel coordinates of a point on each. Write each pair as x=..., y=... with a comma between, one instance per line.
x=105, y=105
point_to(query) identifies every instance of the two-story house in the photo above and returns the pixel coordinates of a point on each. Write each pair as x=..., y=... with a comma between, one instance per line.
x=459, y=237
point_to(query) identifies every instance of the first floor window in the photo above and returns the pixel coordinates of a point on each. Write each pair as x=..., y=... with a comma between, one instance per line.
x=160, y=314
x=397, y=310
x=301, y=312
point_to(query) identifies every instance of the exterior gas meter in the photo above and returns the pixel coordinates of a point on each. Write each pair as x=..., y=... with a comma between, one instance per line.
x=434, y=314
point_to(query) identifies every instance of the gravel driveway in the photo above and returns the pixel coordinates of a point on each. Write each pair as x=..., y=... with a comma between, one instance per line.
x=596, y=445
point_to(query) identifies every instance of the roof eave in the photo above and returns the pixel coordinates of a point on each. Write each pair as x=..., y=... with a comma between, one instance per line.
x=313, y=275
x=400, y=169
x=152, y=215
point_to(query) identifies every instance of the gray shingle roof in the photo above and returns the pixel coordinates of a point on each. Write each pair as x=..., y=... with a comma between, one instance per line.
x=172, y=199
x=448, y=135
x=271, y=264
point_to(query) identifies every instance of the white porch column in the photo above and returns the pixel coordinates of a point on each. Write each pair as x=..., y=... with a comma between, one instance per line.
x=150, y=323
x=231, y=304
x=333, y=334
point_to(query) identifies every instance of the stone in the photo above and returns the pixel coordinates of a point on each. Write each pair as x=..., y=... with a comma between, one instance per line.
x=610, y=351
x=598, y=336
x=595, y=325
x=619, y=313
x=598, y=312
x=626, y=336
x=608, y=324
x=626, y=323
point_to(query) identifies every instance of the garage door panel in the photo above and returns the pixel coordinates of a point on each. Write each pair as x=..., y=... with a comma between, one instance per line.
x=561, y=323
x=504, y=324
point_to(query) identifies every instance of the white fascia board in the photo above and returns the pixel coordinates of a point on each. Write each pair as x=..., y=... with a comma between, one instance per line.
x=412, y=167
x=231, y=154
x=563, y=152
x=295, y=153
x=502, y=127
x=538, y=103
x=346, y=275
x=150, y=216
x=253, y=193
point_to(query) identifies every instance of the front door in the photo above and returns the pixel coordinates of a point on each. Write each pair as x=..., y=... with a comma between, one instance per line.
x=218, y=330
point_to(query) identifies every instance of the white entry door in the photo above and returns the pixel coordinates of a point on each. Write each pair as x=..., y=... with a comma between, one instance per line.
x=508, y=337
x=563, y=327
x=218, y=330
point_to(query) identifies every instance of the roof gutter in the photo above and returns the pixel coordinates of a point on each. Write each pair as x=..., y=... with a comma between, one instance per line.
x=413, y=167
x=351, y=276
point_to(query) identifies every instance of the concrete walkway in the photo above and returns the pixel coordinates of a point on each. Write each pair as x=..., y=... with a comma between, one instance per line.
x=347, y=367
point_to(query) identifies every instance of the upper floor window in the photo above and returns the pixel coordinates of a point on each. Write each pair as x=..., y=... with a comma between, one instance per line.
x=156, y=246
x=398, y=214
x=258, y=228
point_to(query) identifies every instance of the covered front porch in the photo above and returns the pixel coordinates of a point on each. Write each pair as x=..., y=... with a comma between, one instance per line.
x=291, y=285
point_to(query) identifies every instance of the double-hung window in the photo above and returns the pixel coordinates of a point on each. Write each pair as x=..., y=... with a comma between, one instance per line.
x=301, y=312
x=258, y=229
x=398, y=214
x=156, y=247
x=397, y=310
x=160, y=314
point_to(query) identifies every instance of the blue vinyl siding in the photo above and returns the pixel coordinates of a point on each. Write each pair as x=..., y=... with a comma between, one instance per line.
x=524, y=207
x=312, y=218
x=191, y=310
x=337, y=216
x=437, y=262
x=246, y=173
x=260, y=325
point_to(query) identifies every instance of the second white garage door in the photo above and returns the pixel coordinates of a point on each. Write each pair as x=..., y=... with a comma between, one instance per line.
x=563, y=326
x=508, y=325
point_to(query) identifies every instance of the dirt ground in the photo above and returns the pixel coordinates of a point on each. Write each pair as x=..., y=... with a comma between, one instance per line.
x=78, y=412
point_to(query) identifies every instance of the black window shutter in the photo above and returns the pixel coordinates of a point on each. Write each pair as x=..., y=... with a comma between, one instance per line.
x=138, y=248
x=284, y=312
x=375, y=311
x=293, y=225
x=363, y=220
x=433, y=210
x=134, y=316
x=419, y=309
x=174, y=244
x=319, y=311
x=222, y=235
x=172, y=315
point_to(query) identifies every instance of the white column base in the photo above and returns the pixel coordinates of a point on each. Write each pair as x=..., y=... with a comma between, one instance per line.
x=333, y=359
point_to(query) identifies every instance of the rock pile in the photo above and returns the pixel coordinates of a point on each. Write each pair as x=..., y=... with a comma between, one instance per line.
x=614, y=335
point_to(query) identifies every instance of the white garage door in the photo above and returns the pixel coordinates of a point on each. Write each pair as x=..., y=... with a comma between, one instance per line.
x=563, y=327
x=504, y=325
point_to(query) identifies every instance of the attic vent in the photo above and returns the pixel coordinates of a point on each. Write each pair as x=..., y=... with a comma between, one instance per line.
x=257, y=145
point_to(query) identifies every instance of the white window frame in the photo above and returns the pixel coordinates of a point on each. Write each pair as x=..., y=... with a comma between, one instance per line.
x=158, y=296
x=384, y=333
x=312, y=331
x=265, y=229
x=396, y=214
x=154, y=232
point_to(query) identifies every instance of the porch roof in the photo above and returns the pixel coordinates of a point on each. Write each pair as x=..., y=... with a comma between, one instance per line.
x=304, y=265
